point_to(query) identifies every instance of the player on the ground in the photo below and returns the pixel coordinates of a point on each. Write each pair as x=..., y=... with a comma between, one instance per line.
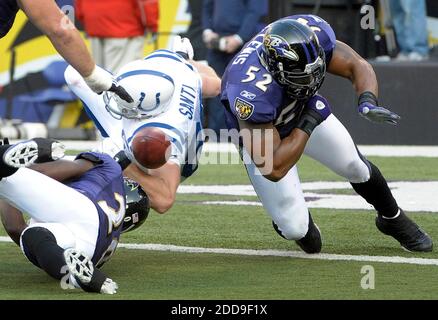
x=271, y=86
x=167, y=88
x=77, y=210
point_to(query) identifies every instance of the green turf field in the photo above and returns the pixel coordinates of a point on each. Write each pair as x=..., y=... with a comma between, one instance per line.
x=146, y=274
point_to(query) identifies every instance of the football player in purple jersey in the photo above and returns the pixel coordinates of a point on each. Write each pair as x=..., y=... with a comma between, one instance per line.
x=270, y=93
x=77, y=210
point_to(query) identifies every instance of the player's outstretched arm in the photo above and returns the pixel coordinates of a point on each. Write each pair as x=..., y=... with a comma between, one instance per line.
x=211, y=83
x=159, y=184
x=349, y=64
x=62, y=170
x=47, y=17
x=274, y=157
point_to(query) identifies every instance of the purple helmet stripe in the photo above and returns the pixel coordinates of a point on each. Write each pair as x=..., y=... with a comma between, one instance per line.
x=306, y=52
x=315, y=52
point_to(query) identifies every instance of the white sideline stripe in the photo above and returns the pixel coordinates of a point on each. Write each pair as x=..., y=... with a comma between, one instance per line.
x=367, y=150
x=415, y=196
x=280, y=253
x=272, y=253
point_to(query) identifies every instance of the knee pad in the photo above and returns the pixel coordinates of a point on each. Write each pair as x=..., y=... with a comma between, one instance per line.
x=292, y=231
x=358, y=171
x=31, y=238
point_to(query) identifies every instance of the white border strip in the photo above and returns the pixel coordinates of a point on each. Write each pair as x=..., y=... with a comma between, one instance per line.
x=273, y=253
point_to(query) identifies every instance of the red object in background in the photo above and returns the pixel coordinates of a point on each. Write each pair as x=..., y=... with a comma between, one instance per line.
x=150, y=14
x=117, y=18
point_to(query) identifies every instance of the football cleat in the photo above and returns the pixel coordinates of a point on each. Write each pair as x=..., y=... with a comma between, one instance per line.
x=311, y=242
x=37, y=150
x=405, y=231
x=88, y=277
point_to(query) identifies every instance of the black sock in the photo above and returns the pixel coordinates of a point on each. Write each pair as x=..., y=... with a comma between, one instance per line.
x=377, y=193
x=278, y=230
x=41, y=248
x=5, y=170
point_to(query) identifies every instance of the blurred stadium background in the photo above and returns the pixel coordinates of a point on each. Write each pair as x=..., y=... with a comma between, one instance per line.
x=28, y=108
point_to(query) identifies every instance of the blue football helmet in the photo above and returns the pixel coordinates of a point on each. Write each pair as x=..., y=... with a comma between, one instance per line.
x=293, y=55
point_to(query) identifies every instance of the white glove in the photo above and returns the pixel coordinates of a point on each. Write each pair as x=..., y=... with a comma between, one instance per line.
x=101, y=80
x=183, y=45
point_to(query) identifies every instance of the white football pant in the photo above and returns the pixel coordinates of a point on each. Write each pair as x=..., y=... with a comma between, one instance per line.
x=69, y=215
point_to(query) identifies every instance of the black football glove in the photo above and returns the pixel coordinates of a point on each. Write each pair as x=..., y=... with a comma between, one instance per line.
x=369, y=109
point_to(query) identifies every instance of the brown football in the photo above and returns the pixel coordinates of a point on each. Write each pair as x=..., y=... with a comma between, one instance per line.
x=151, y=147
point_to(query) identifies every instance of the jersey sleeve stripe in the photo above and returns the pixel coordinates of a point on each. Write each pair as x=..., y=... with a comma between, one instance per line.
x=169, y=56
x=96, y=122
x=175, y=141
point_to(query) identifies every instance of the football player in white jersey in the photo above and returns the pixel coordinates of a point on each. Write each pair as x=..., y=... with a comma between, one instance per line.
x=167, y=88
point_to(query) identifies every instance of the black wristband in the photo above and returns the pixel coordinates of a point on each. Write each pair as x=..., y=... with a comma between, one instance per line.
x=122, y=159
x=309, y=120
x=368, y=96
x=183, y=54
x=95, y=160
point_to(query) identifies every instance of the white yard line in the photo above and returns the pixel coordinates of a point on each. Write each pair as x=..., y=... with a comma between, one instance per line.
x=400, y=151
x=413, y=196
x=367, y=150
x=5, y=239
x=272, y=253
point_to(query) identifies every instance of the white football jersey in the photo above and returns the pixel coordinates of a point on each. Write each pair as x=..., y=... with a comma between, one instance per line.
x=181, y=122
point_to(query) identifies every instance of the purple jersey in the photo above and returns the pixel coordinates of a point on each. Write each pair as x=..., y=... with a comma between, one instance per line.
x=250, y=93
x=103, y=185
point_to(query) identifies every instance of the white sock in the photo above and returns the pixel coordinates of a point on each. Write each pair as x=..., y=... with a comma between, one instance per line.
x=390, y=218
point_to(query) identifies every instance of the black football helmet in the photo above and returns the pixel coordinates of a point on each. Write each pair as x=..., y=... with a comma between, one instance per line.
x=137, y=206
x=294, y=57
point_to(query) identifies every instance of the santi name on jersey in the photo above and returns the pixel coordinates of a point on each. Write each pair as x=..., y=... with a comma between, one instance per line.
x=187, y=101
